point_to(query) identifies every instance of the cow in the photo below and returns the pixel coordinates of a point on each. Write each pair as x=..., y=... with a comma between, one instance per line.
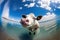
x=30, y=22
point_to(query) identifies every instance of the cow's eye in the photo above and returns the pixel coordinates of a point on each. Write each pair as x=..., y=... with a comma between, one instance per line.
x=24, y=16
x=27, y=20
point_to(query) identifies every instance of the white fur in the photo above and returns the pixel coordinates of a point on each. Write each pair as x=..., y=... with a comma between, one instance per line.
x=32, y=22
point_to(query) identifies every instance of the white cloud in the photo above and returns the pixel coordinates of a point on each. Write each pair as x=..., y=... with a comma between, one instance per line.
x=23, y=0
x=44, y=4
x=26, y=5
x=20, y=7
x=28, y=0
x=30, y=5
x=55, y=1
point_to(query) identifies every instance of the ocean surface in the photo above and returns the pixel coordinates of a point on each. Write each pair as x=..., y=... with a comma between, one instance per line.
x=49, y=30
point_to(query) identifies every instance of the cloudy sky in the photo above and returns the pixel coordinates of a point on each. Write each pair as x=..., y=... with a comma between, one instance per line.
x=15, y=8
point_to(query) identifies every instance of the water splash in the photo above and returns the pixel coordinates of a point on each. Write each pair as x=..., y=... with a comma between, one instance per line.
x=5, y=13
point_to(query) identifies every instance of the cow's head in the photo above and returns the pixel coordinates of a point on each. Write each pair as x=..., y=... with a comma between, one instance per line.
x=27, y=20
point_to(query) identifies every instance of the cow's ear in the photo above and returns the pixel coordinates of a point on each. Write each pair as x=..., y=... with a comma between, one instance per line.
x=39, y=17
x=24, y=16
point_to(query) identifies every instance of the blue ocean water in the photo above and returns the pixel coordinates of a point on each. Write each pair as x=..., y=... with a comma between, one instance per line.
x=15, y=29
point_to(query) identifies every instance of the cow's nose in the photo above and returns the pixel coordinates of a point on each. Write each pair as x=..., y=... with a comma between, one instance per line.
x=24, y=16
x=27, y=20
x=22, y=21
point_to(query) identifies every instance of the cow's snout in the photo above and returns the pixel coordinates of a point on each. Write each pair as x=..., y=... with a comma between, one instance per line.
x=24, y=22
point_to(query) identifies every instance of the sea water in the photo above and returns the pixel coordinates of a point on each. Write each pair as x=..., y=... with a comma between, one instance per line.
x=48, y=29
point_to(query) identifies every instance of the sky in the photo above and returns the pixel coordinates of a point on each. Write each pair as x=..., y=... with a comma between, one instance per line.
x=15, y=8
